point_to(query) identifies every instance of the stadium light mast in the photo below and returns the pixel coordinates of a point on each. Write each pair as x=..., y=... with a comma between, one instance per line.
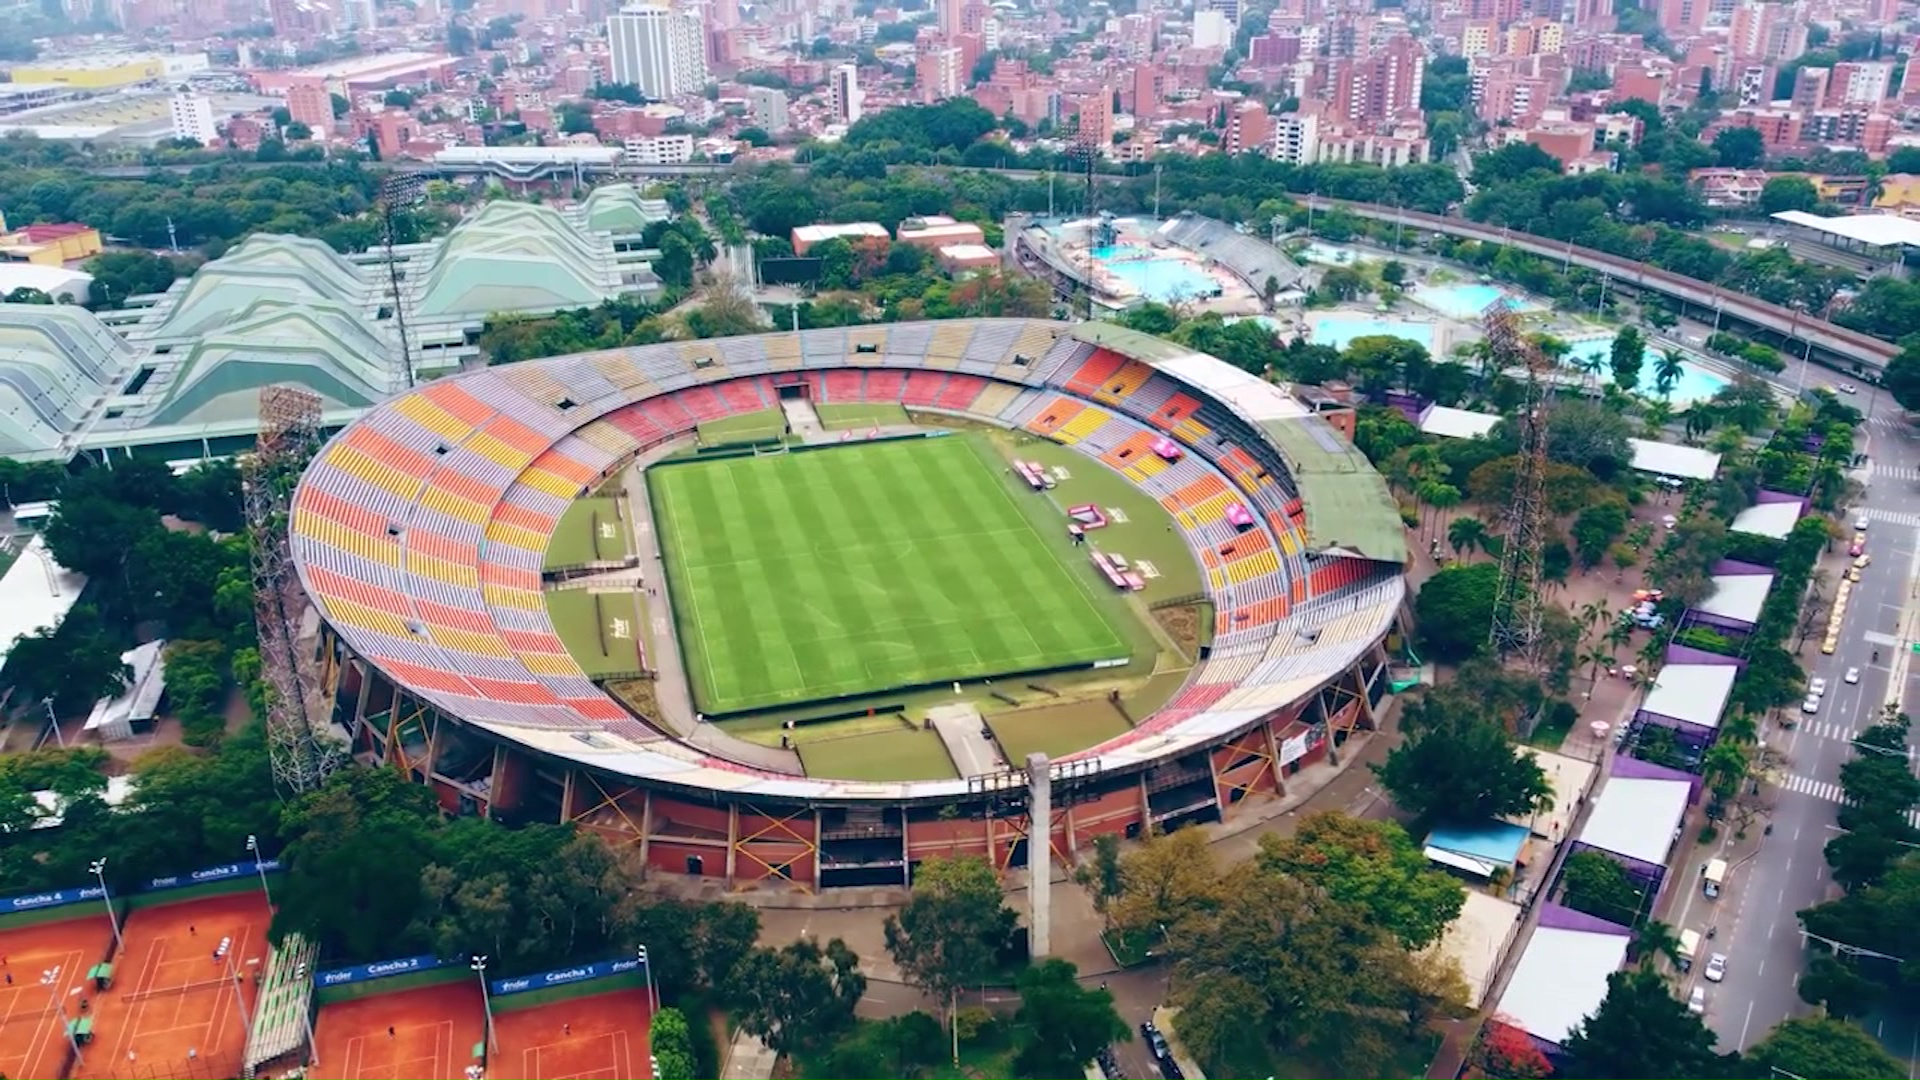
x=48, y=979
x=289, y=437
x=479, y=966
x=99, y=867
x=653, y=992
x=253, y=846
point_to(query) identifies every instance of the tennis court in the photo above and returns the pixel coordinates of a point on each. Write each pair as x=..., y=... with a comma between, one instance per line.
x=603, y=1037
x=175, y=1007
x=423, y=1034
x=40, y=968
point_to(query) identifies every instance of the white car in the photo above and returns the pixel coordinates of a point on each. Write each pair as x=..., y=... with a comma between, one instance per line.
x=1697, y=1001
x=1849, y=388
x=1817, y=688
x=1811, y=705
x=1860, y=523
x=1853, y=676
x=1716, y=967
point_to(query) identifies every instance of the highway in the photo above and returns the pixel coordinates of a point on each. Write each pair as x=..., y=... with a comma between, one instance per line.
x=1786, y=871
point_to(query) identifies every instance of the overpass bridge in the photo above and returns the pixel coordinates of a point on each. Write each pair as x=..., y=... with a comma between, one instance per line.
x=1836, y=346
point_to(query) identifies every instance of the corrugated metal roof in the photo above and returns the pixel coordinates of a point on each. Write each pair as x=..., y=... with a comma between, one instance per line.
x=1347, y=503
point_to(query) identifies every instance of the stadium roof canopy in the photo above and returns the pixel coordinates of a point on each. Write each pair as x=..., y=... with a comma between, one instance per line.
x=264, y=266
x=1347, y=503
x=1451, y=423
x=515, y=257
x=54, y=361
x=621, y=209
x=1873, y=230
x=35, y=594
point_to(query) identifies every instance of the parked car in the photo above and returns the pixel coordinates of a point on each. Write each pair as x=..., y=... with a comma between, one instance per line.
x=1697, y=1001
x=1849, y=388
x=1817, y=688
x=1156, y=1042
x=1716, y=967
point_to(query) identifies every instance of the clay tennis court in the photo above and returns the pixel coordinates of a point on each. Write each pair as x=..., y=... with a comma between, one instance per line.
x=603, y=1037
x=434, y=1032
x=172, y=1010
x=45, y=963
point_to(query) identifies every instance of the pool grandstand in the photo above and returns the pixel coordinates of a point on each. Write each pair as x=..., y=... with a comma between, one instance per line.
x=1189, y=260
x=421, y=533
x=183, y=368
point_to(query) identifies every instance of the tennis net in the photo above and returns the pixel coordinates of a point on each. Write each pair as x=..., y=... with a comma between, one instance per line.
x=182, y=988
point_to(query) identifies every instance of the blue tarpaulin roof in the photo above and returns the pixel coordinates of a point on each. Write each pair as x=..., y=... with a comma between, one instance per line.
x=1493, y=842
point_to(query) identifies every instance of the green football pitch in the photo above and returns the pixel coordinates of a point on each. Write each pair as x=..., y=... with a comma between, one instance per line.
x=858, y=569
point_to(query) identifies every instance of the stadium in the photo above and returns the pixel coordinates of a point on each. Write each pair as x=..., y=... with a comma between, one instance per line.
x=1123, y=262
x=789, y=609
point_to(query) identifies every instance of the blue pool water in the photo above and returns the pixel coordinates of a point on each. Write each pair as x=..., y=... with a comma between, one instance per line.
x=1463, y=302
x=1696, y=383
x=1339, y=328
x=1164, y=280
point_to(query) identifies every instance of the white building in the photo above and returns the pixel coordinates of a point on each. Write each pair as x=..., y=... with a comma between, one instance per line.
x=192, y=116
x=659, y=50
x=1211, y=30
x=768, y=107
x=659, y=150
x=843, y=92
x=1296, y=138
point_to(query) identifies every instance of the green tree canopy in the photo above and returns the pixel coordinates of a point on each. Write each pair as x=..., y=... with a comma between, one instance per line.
x=1825, y=1047
x=1373, y=865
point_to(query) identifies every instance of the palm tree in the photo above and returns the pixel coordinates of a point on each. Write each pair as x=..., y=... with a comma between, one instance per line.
x=1654, y=938
x=1619, y=634
x=1441, y=497
x=1595, y=658
x=1593, y=613
x=1667, y=371
x=1467, y=533
x=1657, y=414
x=1699, y=421
x=1723, y=767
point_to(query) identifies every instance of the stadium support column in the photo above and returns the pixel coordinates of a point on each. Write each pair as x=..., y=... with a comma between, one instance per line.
x=1039, y=855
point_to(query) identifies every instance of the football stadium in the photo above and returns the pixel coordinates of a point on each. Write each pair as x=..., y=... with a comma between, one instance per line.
x=793, y=609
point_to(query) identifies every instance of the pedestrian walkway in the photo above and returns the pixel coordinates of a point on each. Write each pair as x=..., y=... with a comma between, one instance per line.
x=1819, y=789
x=1896, y=472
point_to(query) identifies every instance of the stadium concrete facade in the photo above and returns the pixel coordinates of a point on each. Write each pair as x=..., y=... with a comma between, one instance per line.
x=420, y=533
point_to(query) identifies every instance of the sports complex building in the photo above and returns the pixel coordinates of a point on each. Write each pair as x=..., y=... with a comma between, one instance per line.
x=894, y=561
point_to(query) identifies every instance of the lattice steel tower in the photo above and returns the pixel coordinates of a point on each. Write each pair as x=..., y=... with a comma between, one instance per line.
x=289, y=436
x=1517, y=604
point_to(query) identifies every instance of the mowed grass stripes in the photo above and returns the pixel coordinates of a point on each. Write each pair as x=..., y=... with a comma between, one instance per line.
x=862, y=568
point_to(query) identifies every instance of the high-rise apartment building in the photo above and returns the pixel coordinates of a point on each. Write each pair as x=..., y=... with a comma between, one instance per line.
x=768, y=108
x=843, y=93
x=938, y=74
x=309, y=103
x=1249, y=129
x=1859, y=83
x=192, y=116
x=658, y=49
x=1380, y=86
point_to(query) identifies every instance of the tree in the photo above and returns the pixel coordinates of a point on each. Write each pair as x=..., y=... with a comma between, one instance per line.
x=1739, y=148
x=1100, y=875
x=1062, y=1025
x=356, y=851
x=1467, y=535
x=1375, y=866
x=1594, y=883
x=952, y=929
x=671, y=1043
x=1167, y=880
x=75, y=664
x=798, y=997
x=1463, y=768
x=1667, y=371
x=1454, y=610
x=1788, y=193
x=1642, y=1030
x=1504, y=1049
x=1393, y=272
x=1626, y=357
x=118, y=275
x=1825, y=1047
x=1902, y=375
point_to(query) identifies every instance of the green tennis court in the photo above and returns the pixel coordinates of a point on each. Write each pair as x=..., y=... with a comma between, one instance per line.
x=804, y=576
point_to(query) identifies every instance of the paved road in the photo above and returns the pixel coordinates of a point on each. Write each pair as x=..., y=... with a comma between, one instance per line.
x=1757, y=921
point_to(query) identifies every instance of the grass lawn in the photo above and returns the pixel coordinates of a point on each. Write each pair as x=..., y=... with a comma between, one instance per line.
x=1057, y=730
x=745, y=427
x=900, y=753
x=850, y=570
x=599, y=629
x=591, y=530
x=861, y=414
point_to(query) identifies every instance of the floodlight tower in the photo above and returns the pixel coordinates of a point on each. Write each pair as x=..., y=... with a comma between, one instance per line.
x=398, y=191
x=1518, y=606
x=289, y=437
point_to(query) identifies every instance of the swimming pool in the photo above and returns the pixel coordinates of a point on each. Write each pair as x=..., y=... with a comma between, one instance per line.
x=1464, y=302
x=1326, y=254
x=1695, y=383
x=1339, y=328
x=1156, y=278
